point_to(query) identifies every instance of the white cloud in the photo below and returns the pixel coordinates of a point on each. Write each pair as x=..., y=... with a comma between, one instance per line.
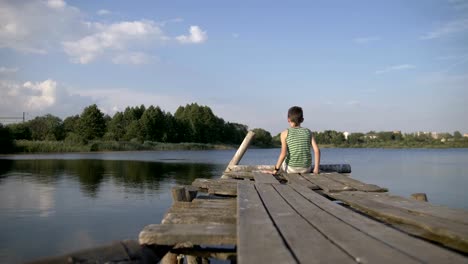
x=6, y=70
x=39, y=98
x=447, y=29
x=56, y=4
x=196, y=36
x=131, y=58
x=113, y=37
x=396, y=68
x=40, y=26
x=104, y=12
x=42, y=94
x=36, y=26
x=363, y=40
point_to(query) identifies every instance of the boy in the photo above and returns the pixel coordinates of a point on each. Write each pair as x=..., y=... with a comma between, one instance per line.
x=296, y=142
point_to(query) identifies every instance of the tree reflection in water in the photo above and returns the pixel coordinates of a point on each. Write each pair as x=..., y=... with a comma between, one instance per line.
x=91, y=173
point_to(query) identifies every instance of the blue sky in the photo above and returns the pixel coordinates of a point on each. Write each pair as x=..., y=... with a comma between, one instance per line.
x=352, y=65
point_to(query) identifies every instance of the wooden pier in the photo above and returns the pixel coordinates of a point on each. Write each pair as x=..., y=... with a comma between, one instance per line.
x=306, y=218
x=251, y=216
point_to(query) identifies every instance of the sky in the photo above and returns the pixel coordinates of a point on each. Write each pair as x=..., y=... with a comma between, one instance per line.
x=352, y=66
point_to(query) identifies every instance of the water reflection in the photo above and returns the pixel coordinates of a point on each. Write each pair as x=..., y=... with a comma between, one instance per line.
x=73, y=204
x=91, y=173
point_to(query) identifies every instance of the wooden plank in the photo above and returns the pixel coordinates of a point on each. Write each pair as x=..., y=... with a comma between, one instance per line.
x=238, y=174
x=420, y=249
x=197, y=218
x=218, y=186
x=340, y=168
x=360, y=186
x=206, y=203
x=302, y=238
x=258, y=240
x=251, y=168
x=364, y=248
x=264, y=178
x=295, y=178
x=449, y=233
x=420, y=207
x=197, y=234
x=327, y=184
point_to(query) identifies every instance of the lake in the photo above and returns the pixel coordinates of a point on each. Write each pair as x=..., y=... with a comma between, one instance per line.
x=51, y=204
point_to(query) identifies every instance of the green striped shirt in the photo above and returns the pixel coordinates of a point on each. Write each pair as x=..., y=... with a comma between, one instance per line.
x=299, y=145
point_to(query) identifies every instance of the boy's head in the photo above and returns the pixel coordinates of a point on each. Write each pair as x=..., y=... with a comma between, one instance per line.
x=295, y=115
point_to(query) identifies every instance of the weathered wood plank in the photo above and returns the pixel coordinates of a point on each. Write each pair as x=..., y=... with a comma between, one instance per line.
x=303, y=239
x=360, y=186
x=258, y=240
x=217, y=186
x=364, y=248
x=295, y=178
x=340, y=168
x=197, y=234
x=250, y=168
x=238, y=174
x=205, y=203
x=420, y=207
x=264, y=178
x=420, y=249
x=450, y=233
x=197, y=218
x=327, y=184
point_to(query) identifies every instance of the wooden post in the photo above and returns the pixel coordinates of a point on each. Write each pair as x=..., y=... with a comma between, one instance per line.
x=179, y=194
x=241, y=151
x=419, y=196
x=169, y=258
x=190, y=192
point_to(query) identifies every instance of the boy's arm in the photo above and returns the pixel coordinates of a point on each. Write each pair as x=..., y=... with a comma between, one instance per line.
x=316, y=156
x=283, y=152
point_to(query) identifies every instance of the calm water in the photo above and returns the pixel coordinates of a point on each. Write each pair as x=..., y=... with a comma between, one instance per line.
x=53, y=204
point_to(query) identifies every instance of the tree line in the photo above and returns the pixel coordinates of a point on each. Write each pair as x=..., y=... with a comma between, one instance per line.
x=190, y=123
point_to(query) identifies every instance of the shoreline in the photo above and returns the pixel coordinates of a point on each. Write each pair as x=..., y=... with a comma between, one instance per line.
x=45, y=147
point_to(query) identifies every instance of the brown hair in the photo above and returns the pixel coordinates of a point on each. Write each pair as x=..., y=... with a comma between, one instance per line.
x=295, y=115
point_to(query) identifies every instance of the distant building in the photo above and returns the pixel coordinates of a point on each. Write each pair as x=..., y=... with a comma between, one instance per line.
x=465, y=135
x=346, y=134
x=434, y=135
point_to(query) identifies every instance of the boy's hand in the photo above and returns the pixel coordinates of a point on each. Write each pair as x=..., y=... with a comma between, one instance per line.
x=316, y=171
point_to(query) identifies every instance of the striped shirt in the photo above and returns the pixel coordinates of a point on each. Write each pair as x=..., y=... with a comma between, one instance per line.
x=299, y=144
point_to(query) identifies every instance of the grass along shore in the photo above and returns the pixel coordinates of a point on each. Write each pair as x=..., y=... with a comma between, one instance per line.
x=29, y=146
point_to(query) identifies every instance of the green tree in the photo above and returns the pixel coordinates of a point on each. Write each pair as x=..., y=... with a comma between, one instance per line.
x=233, y=133
x=262, y=138
x=356, y=138
x=46, y=127
x=70, y=124
x=134, y=132
x=154, y=124
x=6, y=140
x=20, y=131
x=199, y=123
x=457, y=135
x=92, y=124
x=116, y=128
